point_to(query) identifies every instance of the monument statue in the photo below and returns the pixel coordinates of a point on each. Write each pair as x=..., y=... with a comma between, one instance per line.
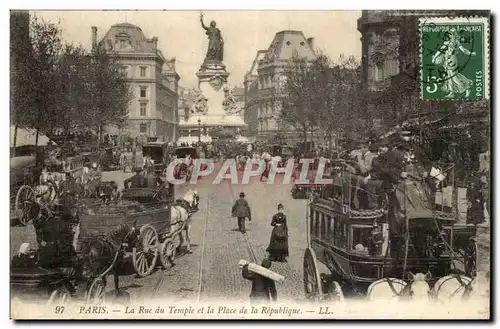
x=200, y=105
x=229, y=104
x=215, y=50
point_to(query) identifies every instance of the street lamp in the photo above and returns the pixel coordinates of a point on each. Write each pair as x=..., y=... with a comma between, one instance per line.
x=199, y=130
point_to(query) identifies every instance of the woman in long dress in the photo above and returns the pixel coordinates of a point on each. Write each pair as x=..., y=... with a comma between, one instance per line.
x=278, y=247
x=454, y=82
x=215, y=49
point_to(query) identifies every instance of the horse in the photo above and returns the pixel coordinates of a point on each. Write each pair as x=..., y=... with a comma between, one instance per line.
x=103, y=255
x=180, y=214
x=393, y=288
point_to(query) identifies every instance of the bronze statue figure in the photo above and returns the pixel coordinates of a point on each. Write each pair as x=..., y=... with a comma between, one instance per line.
x=216, y=43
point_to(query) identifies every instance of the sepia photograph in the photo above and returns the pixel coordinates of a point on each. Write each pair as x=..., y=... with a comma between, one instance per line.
x=275, y=165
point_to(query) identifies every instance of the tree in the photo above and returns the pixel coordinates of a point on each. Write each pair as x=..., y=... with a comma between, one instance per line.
x=20, y=48
x=38, y=79
x=73, y=101
x=296, y=94
x=340, y=100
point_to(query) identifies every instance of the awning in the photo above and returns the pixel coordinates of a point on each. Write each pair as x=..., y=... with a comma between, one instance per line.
x=411, y=123
x=194, y=139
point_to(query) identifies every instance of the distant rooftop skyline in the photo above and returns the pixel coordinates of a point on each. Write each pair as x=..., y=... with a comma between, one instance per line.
x=180, y=34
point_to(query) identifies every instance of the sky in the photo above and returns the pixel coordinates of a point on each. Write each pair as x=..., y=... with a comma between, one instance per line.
x=180, y=34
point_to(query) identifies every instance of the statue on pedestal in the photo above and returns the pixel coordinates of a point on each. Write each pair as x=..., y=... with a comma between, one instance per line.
x=215, y=50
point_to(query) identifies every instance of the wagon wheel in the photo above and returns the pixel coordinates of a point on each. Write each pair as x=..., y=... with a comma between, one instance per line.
x=452, y=287
x=96, y=292
x=24, y=200
x=312, y=280
x=144, y=260
x=60, y=296
x=167, y=253
x=470, y=258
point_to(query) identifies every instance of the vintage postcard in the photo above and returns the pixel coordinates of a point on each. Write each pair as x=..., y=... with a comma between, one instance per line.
x=250, y=165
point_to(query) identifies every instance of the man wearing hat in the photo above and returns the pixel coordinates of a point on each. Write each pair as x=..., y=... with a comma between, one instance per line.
x=136, y=181
x=241, y=210
x=364, y=161
x=263, y=289
x=379, y=174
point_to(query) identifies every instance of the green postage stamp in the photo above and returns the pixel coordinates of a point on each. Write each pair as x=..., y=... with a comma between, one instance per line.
x=454, y=58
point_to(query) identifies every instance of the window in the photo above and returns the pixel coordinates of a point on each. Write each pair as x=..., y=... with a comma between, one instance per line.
x=360, y=238
x=324, y=227
x=143, y=71
x=313, y=222
x=317, y=220
x=339, y=234
x=143, y=128
x=143, y=109
x=379, y=72
x=143, y=92
x=123, y=44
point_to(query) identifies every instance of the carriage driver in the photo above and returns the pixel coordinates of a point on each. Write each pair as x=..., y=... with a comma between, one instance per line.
x=136, y=181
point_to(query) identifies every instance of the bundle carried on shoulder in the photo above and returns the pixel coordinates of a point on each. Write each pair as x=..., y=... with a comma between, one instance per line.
x=252, y=267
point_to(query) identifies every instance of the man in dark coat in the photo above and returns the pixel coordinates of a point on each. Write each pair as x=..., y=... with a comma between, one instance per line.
x=241, y=210
x=263, y=289
x=136, y=181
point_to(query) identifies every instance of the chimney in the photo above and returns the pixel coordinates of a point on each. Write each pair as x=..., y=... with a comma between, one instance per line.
x=310, y=41
x=94, y=37
x=155, y=42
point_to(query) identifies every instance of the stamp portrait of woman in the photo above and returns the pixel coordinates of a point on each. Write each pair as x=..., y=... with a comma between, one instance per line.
x=446, y=56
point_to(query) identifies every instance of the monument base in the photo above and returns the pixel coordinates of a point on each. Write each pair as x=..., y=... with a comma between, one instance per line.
x=211, y=107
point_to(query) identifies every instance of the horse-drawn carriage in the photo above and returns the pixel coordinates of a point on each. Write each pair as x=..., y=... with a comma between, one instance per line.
x=105, y=237
x=110, y=159
x=385, y=251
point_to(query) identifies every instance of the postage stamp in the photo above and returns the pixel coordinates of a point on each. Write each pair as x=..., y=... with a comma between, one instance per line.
x=454, y=57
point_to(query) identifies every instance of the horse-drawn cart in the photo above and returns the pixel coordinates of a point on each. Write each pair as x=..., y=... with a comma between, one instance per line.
x=384, y=252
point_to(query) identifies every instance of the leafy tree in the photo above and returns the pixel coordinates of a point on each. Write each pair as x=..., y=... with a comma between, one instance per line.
x=36, y=83
x=20, y=48
x=341, y=101
x=295, y=95
x=73, y=101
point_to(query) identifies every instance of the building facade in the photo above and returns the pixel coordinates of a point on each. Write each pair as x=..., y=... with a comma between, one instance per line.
x=153, y=110
x=263, y=80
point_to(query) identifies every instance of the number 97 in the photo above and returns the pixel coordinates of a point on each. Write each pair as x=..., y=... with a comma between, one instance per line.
x=59, y=310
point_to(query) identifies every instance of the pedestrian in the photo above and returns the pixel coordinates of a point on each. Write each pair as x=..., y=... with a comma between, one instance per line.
x=263, y=288
x=241, y=210
x=278, y=246
x=475, y=202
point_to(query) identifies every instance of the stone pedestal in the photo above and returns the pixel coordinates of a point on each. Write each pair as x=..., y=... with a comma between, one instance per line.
x=212, y=78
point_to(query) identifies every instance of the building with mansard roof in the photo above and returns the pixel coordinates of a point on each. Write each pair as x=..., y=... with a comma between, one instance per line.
x=153, y=110
x=262, y=79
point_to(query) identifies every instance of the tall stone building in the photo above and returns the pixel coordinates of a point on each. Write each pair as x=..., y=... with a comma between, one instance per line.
x=153, y=110
x=263, y=79
x=251, y=96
